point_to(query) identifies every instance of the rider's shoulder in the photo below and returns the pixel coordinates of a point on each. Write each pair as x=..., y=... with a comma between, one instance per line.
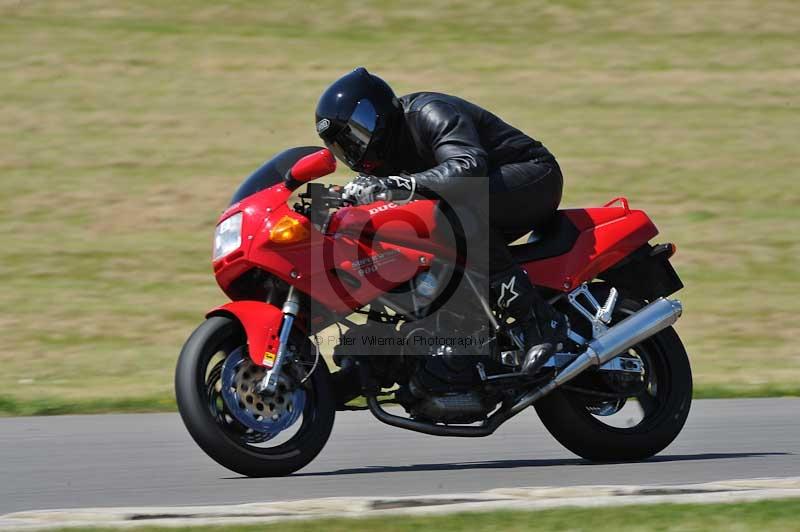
x=418, y=102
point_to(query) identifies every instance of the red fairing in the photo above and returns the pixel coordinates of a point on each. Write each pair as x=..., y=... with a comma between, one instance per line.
x=261, y=323
x=607, y=235
x=342, y=273
x=413, y=225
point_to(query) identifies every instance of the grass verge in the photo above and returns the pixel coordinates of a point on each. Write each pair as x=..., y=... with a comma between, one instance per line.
x=10, y=406
x=778, y=515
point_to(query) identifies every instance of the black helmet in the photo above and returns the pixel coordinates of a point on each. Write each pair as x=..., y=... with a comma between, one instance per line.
x=355, y=117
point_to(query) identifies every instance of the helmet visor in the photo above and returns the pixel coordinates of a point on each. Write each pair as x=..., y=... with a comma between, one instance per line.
x=351, y=143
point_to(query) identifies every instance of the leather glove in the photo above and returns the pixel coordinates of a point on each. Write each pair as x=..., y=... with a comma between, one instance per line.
x=400, y=188
x=366, y=189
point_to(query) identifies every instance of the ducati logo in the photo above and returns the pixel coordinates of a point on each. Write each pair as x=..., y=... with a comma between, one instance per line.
x=323, y=124
x=507, y=291
x=386, y=207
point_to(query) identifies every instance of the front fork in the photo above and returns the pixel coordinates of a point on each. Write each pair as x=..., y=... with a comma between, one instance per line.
x=269, y=384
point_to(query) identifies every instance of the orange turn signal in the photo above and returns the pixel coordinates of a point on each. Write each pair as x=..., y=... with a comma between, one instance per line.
x=288, y=230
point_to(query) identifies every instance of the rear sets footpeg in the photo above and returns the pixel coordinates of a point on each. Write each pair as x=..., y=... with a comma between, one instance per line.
x=598, y=315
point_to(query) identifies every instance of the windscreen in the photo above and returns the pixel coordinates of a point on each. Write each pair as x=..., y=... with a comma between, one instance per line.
x=271, y=172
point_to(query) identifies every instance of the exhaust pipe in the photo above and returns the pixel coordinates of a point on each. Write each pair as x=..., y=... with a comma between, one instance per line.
x=650, y=320
x=639, y=326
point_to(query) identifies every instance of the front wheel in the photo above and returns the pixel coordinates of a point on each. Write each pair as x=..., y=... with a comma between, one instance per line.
x=615, y=427
x=252, y=435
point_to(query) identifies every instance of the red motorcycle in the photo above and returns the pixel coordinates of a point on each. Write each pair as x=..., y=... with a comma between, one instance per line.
x=255, y=393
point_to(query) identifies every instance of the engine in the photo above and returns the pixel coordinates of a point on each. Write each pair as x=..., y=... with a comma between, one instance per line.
x=437, y=374
x=444, y=384
x=434, y=360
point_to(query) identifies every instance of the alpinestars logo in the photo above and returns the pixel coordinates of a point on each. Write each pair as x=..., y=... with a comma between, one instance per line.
x=400, y=181
x=323, y=124
x=507, y=290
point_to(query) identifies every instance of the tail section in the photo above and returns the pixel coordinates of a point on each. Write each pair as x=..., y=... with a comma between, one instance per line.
x=602, y=236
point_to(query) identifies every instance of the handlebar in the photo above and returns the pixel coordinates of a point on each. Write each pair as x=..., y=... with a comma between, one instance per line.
x=319, y=200
x=323, y=198
x=334, y=196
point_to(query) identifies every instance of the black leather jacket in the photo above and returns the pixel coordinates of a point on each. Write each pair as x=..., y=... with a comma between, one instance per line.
x=444, y=139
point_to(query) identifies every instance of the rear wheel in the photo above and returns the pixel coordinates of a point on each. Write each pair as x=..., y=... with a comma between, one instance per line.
x=602, y=424
x=241, y=430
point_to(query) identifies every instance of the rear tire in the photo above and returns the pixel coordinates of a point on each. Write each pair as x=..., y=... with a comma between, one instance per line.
x=565, y=415
x=218, y=334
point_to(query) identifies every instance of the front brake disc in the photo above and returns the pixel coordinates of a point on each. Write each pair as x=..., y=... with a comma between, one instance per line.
x=268, y=415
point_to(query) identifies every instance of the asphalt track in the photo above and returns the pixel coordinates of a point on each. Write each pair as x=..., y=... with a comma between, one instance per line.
x=149, y=459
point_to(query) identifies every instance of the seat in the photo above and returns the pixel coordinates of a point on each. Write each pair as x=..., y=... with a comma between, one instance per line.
x=555, y=239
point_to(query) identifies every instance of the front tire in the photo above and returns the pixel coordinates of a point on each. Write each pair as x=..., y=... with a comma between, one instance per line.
x=572, y=417
x=226, y=441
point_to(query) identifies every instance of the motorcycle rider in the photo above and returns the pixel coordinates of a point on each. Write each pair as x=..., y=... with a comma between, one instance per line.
x=431, y=144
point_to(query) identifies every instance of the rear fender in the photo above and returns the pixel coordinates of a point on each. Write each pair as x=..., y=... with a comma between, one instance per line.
x=646, y=273
x=262, y=325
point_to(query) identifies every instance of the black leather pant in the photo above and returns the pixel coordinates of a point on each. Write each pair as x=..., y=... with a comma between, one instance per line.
x=517, y=198
x=522, y=196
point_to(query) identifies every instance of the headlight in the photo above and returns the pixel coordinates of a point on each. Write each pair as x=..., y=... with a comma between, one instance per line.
x=228, y=236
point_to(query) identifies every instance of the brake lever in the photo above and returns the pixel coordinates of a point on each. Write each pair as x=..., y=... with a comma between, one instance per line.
x=337, y=196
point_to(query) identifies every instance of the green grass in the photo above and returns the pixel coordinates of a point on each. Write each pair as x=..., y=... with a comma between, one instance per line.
x=757, y=516
x=127, y=125
x=48, y=406
x=10, y=406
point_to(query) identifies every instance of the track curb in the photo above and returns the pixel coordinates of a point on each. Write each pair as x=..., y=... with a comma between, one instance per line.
x=531, y=498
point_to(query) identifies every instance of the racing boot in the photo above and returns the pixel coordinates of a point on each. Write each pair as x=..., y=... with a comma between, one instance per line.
x=544, y=329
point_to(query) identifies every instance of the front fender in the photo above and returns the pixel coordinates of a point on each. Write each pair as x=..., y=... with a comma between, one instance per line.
x=262, y=326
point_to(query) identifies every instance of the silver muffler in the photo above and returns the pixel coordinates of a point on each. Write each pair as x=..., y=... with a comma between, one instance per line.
x=637, y=327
